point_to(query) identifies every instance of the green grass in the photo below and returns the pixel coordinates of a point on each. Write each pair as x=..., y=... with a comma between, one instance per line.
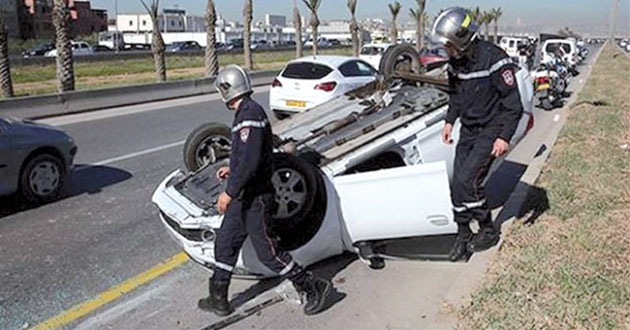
x=571, y=269
x=26, y=78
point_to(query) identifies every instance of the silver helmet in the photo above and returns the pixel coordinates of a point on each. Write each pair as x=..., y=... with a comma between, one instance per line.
x=456, y=27
x=232, y=82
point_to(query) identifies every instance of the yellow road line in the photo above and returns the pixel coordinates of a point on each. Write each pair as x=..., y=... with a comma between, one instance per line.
x=112, y=293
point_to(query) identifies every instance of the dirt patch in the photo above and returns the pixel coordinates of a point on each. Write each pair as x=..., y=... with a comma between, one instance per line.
x=571, y=269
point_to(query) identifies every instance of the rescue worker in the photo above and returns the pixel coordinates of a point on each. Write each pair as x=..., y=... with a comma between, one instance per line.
x=248, y=201
x=485, y=98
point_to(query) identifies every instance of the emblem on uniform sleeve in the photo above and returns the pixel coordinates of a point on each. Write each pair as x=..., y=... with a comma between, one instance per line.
x=508, y=77
x=244, y=132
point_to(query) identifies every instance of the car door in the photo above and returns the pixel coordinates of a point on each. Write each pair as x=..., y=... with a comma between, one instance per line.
x=402, y=202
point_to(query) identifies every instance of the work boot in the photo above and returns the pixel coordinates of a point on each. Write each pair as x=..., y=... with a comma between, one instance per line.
x=485, y=239
x=315, y=289
x=217, y=302
x=459, y=251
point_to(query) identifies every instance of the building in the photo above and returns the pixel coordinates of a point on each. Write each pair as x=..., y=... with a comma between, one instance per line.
x=88, y=20
x=275, y=20
x=9, y=10
x=340, y=30
x=171, y=20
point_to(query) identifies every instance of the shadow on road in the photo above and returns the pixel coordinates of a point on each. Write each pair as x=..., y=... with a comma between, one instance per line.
x=528, y=208
x=88, y=179
x=502, y=183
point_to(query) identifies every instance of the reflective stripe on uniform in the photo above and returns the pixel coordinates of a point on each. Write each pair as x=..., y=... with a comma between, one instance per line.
x=484, y=73
x=287, y=269
x=468, y=206
x=250, y=123
x=223, y=266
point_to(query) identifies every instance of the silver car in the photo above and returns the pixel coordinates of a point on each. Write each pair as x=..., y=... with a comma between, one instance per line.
x=35, y=159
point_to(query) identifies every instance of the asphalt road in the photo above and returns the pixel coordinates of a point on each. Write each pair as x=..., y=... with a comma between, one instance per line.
x=105, y=231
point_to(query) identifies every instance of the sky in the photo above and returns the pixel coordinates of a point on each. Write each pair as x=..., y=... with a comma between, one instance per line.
x=528, y=12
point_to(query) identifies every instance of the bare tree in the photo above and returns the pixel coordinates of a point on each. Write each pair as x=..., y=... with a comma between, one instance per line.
x=354, y=27
x=5, y=65
x=248, y=16
x=157, y=43
x=211, y=59
x=419, y=16
x=65, y=62
x=486, y=19
x=496, y=14
x=297, y=22
x=475, y=14
x=394, y=8
x=313, y=6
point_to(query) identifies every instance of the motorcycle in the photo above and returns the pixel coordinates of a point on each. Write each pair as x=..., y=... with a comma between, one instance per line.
x=550, y=83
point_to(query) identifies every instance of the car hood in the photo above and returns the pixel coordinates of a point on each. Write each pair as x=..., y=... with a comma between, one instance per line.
x=26, y=126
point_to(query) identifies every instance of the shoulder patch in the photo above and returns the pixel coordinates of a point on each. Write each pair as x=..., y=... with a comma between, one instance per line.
x=508, y=77
x=244, y=133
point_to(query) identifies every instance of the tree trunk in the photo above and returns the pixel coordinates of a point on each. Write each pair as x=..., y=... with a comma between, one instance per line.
x=5, y=66
x=297, y=22
x=394, y=32
x=314, y=26
x=65, y=64
x=211, y=59
x=247, y=34
x=158, y=49
x=496, y=32
x=487, y=30
x=354, y=30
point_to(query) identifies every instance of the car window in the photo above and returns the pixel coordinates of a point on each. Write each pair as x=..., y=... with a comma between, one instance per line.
x=550, y=48
x=356, y=69
x=306, y=70
x=566, y=48
x=372, y=50
x=511, y=43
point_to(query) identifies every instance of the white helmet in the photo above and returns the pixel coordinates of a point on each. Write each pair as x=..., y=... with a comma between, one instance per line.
x=456, y=27
x=232, y=82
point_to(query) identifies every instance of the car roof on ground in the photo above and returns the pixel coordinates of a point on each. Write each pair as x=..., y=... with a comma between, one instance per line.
x=330, y=60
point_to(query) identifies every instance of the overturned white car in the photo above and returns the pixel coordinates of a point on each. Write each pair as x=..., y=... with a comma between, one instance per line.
x=366, y=173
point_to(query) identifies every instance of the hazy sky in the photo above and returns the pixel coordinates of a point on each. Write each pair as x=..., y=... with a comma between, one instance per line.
x=563, y=12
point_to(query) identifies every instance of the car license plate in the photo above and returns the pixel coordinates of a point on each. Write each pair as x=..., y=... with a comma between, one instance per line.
x=299, y=104
x=543, y=87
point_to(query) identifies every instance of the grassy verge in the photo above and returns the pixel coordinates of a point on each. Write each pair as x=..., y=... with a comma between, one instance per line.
x=40, y=79
x=571, y=269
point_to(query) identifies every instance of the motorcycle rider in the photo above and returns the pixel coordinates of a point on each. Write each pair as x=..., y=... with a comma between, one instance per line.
x=248, y=201
x=485, y=98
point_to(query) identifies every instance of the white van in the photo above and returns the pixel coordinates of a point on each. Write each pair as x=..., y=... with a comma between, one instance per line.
x=510, y=45
x=568, y=48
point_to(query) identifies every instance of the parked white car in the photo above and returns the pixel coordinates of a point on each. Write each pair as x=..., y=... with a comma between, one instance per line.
x=310, y=81
x=372, y=53
x=568, y=48
x=78, y=48
x=510, y=45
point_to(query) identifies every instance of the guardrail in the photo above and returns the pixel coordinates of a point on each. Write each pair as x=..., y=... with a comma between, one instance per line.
x=51, y=105
x=130, y=55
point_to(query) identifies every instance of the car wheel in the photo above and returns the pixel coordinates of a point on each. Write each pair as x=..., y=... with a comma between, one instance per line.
x=546, y=104
x=207, y=144
x=399, y=58
x=42, y=178
x=300, y=201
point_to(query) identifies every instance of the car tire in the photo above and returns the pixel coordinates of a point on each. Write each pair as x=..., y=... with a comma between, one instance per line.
x=42, y=178
x=206, y=144
x=280, y=115
x=400, y=57
x=300, y=203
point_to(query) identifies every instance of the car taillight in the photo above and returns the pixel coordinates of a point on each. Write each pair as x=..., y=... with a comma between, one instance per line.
x=530, y=123
x=543, y=80
x=276, y=83
x=326, y=87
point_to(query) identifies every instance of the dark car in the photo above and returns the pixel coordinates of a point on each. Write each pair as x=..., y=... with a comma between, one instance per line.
x=40, y=50
x=235, y=44
x=35, y=159
x=183, y=46
x=101, y=49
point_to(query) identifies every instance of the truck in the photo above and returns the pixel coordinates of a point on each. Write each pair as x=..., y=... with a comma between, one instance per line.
x=365, y=172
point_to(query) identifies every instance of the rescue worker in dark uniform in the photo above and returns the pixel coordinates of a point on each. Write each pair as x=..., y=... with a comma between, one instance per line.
x=248, y=201
x=485, y=98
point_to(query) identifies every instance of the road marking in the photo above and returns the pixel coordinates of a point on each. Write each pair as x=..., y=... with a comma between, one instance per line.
x=132, y=155
x=112, y=294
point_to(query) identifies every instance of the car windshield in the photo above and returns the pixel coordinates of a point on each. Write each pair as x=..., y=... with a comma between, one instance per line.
x=306, y=70
x=371, y=50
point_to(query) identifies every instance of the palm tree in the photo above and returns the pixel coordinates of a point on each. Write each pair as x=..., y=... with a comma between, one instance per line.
x=496, y=14
x=486, y=19
x=394, y=8
x=313, y=6
x=297, y=22
x=157, y=43
x=248, y=16
x=354, y=27
x=5, y=65
x=211, y=59
x=65, y=63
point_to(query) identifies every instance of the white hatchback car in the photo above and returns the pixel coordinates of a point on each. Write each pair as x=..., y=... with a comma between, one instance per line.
x=310, y=81
x=372, y=53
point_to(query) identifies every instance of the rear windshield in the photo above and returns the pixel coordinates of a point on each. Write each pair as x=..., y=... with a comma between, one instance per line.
x=306, y=70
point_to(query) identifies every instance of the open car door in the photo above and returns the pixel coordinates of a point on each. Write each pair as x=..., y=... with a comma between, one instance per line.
x=402, y=202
